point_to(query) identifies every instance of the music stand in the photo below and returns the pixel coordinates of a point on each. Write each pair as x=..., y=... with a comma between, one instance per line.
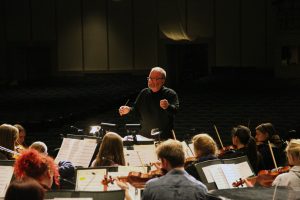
x=156, y=132
x=133, y=129
x=105, y=127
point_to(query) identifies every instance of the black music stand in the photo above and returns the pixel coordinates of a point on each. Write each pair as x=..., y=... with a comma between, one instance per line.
x=133, y=129
x=105, y=127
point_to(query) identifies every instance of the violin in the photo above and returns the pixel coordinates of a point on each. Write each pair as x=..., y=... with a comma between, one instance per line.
x=189, y=160
x=264, y=178
x=226, y=150
x=136, y=179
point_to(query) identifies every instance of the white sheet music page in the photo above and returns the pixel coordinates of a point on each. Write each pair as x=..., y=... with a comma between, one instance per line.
x=140, y=155
x=6, y=173
x=207, y=173
x=231, y=173
x=218, y=176
x=86, y=151
x=244, y=169
x=187, y=150
x=67, y=150
x=90, y=179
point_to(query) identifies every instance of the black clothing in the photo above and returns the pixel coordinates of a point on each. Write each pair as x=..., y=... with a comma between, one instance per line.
x=279, y=155
x=147, y=106
x=191, y=169
x=3, y=156
x=243, y=152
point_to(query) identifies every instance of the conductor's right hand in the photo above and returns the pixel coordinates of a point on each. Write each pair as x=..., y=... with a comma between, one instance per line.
x=124, y=110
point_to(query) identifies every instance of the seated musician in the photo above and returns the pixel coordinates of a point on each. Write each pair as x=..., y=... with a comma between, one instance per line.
x=111, y=152
x=264, y=133
x=177, y=182
x=245, y=145
x=8, y=137
x=20, y=143
x=65, y=168
x=33, y=165
x=205, y=148
x=292, y=178
x=29, y=189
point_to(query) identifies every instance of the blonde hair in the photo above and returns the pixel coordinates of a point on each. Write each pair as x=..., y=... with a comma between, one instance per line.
x=8, y=136
x=293, y=149
x=205, y=144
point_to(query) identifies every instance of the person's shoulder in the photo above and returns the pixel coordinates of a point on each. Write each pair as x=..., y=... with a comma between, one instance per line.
x=168, y=90
x=145, y=91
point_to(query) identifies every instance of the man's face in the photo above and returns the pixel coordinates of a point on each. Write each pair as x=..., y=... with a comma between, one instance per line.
x=155, y=81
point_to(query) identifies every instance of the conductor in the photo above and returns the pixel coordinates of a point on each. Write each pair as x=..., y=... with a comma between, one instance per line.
x=155, y=106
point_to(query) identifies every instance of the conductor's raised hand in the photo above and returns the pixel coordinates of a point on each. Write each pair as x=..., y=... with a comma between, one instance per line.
x=124, y=110
x=164, y=104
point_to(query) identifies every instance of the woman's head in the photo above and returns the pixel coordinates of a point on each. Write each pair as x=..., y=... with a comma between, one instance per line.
x=293, y=152
x=264, y=132
x=204, y=145
x=111, y=150
x=22, y=134
x=8, y=136
x=240, y=135
x=32, y=164
x=29, y=189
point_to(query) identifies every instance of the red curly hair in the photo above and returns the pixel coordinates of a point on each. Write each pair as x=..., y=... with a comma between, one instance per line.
x=33, y=164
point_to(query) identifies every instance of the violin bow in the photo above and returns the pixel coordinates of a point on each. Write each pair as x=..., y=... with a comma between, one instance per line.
x=173, y=133
x=219, y=136
x=272, y=154
x=9, y=151
x=138, y=154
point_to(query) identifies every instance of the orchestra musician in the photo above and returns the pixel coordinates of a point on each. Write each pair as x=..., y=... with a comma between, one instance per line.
x=245, y=145
x=266, y=132
x=110, y=152
x=177, y=182
x=156, y=106
x=205, y=148
x=292, y=178
x=8, y=137
x=20, y=143
x=29, y=189
x=31, y=164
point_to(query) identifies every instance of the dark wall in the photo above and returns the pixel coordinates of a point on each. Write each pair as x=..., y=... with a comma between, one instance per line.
x=44, y=38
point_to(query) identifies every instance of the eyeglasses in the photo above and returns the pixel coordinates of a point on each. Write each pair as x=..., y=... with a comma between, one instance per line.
x=152, y=79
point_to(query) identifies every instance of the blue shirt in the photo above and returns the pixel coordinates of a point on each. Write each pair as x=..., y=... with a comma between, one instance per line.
x=175, y=185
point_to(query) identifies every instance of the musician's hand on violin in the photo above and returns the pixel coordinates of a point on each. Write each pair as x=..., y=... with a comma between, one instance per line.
x=124, y=110
x=164, y=104
x=123, y=185
x=157, y=165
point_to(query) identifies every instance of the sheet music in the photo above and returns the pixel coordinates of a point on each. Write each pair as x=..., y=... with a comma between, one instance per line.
x=79, y=152
x=141, y=155
x=6, y=173
x=231, y=173
x=186, y=148
x=85, y=154
x=226, y=174
x=207, y=173
x=244, y=170
x=219, y=176
x=90, y=179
